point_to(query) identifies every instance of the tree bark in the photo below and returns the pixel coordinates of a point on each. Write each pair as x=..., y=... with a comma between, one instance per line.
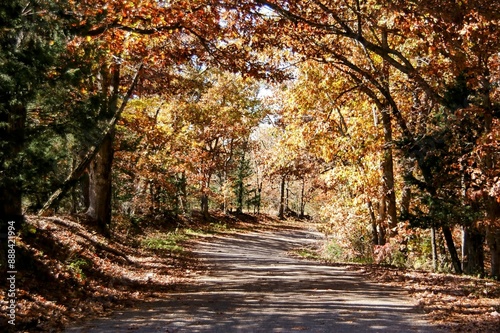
x=493, y=236
x=388, y=176
x=302, y=199
x=74, y=196
x=382, y=215
x=451, y=248
x=388, y=162
x=204, y=206
x=100, y=170
x=281, y=213
x=473, y=263
x=287, y=197
x=100, y=180
x=492, y=205
x=373, y=221
x=241, y=182
x=204, y=202
x=181, y=193
x=259, y=196
x=406, y=192
x=434, y=249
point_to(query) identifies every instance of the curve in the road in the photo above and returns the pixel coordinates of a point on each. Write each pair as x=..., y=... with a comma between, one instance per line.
x=253, y=286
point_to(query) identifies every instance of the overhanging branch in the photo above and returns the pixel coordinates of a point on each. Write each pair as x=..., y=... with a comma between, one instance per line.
x=82, y=166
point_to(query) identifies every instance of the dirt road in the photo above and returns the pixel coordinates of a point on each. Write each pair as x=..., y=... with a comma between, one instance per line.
x=252, y=285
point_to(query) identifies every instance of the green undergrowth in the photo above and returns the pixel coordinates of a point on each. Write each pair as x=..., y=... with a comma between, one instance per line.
x=170, y=241
x=174, y=241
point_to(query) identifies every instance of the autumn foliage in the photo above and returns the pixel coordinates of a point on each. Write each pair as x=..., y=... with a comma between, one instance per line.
x=378, y=119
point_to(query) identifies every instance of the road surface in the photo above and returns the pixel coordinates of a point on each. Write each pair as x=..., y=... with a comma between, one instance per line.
x=252, y=285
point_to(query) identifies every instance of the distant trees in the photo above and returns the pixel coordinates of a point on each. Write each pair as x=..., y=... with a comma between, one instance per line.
x=135, y=105
x=117, y=38
x=196, y=142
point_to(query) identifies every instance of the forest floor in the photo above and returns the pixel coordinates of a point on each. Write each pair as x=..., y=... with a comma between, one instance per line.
x=233, y=274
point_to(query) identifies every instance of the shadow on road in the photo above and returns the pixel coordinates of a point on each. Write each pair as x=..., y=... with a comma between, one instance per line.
x=253, y=286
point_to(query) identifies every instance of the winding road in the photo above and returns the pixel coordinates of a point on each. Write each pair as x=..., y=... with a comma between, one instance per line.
x=252, y=285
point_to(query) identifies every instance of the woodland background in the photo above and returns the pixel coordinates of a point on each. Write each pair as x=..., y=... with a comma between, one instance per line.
x=380, y=119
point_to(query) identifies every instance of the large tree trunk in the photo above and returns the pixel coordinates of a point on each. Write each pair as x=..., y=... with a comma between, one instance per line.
x=204, y=202
x=373, y=221
x=388, y=175
x=241, y=182
x=182, y=193
x=492, y=205
x=204, y=205
x=259, y=196
x=100, y=180
x=387, y=161
x=100, y=169
x=382, y=215
x=473, y=263
x=287, y=198
x=406, y=192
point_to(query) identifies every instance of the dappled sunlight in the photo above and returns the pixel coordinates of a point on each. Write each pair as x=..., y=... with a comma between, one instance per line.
x=253, y=286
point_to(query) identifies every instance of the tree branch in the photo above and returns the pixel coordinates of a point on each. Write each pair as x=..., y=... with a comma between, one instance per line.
x=82, y=166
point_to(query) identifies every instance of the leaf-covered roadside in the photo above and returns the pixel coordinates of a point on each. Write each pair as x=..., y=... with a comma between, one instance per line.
x=455, y=303
x=458, y=303
x=68, y=273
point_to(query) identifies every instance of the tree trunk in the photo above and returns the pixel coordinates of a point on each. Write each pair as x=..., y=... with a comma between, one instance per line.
x=493, y=236
x=382, y=215
x=287, y=198
x=302, y=200
x=373, y=221
x=451, y=248
x=259, y=197
x=204, y=198
x=181, y=193
x=74, y=195
x=493, y=206
x=240, y=190
x=473, y=263
x=388, y=162
x=281, y=213
x=100, y=181
x=406, y=192
x=100, y=170
x=91, y=154
x=204, y=206
x=434, y=249
x=388, y=175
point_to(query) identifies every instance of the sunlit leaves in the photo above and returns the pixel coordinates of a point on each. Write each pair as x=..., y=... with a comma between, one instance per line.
x=195, y=132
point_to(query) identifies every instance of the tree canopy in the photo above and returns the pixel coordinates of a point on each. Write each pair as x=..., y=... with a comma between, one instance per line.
x=378, y=118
